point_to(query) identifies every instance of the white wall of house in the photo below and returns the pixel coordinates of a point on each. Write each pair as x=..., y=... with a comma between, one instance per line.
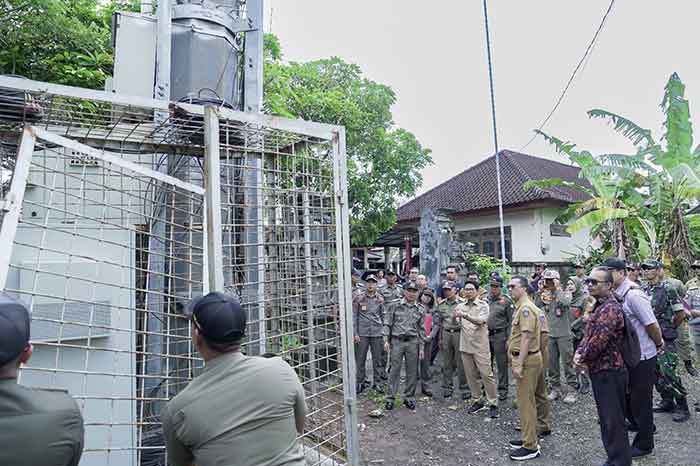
x=530, y=234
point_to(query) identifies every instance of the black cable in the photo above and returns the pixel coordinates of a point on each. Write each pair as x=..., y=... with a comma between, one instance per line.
x=573, y=75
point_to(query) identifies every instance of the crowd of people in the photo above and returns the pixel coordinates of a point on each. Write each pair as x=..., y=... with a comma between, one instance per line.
x=619, y=331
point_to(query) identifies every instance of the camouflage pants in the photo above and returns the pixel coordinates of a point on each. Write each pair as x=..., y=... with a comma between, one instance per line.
x=668, y=382
x=683, y=343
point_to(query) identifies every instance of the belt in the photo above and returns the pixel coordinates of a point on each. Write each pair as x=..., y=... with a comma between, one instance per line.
x=496, y=331
x=517, y=353
x=452, y=330
x=404, y=337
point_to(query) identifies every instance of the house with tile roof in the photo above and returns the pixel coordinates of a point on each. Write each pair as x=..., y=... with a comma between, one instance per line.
x=470, y=199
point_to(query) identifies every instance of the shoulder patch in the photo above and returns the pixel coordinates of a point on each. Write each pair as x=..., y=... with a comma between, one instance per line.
x=525, y=312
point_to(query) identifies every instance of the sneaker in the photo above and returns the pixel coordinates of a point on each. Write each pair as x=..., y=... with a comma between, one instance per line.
x=637, y=453
x=553, y=395
x=524, y=454
x=493, y=412
x=476, y=407
x=515, y=444
x=570, y=398
x=389, y=405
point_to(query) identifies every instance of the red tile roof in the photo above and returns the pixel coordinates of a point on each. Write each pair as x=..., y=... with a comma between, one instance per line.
x=475, y=188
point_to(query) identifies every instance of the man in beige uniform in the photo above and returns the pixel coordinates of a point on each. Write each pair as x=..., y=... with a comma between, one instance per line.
x=526, y=363
x=474, y=350
x=37, y=427
x=241, y=411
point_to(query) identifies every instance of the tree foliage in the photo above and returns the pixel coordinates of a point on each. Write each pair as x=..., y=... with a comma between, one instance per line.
x=641, y=202
x=384, y=161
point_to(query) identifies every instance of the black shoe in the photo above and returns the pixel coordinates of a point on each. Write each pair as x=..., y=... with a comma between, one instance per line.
x=410, y=404
x=503, y=397
x=515, y=444
x=524, y=454
x=682, y=413
x=427, y=392
x=690, y=369
x=466, y=396
x=476, y=407
x=493, y=412
x=544, y=433
x=389, y=405
x=637, y=453
x=447, y=394
x=360, y=388
x=666, y=406
x=378, y=389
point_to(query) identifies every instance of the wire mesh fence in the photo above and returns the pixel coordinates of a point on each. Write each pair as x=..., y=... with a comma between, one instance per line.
x=111, y=245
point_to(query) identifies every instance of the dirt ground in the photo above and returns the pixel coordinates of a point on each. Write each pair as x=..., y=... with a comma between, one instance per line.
x=440, y=432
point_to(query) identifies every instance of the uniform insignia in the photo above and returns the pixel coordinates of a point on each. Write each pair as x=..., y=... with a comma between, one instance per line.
x=526, y=312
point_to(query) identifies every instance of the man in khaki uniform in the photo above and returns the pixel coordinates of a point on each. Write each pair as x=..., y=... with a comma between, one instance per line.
x=404, y=328
x=451, y=331
x=37, y=427
x=526, y=363
x=475, y=352
x=392, y=291
x=241, y=411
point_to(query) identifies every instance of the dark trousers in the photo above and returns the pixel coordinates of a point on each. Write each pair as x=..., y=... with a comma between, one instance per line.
x=434, y=348
x=640, y=401
x=499, y=353
x=609, y=393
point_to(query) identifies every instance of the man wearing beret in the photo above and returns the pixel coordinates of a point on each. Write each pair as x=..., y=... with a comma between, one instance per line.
x=37, y=427
x=242, y=411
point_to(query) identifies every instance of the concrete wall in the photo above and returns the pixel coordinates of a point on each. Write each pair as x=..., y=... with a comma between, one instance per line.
x=530, y=234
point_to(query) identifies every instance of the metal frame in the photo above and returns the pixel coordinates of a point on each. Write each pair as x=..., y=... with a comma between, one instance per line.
x=212, y=179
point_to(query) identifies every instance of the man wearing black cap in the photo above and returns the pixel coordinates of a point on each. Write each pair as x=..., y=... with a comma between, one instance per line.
x=367, y=323
x=637, y=307
x=404, y=329
x=669, y=312
x=37, y=427
x=242, y=411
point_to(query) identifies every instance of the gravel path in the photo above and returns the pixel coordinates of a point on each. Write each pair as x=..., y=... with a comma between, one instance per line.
x=441, y=432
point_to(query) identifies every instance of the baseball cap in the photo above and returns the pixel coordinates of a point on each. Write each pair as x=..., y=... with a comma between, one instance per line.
x=218, y=317
x=415, y=269
x=411, y=286
x=652, y=264
x=540, y=264
x=550, y=274
x=371, y=277
x=615, y=263
x=578, y=264
x=496, y=280
x=14, y=328
x=390, y=272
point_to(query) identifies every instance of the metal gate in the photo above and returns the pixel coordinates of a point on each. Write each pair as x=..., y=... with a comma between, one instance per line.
x=106, y=244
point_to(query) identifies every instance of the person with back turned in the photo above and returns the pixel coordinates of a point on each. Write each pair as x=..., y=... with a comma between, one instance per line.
x=242, y=411
x=37, y=427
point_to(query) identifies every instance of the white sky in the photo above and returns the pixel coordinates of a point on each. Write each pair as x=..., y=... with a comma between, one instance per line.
x=433, y=55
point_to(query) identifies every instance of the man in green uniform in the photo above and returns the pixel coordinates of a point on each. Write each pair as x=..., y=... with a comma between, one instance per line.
x=526, y=363
x=499, y=322
x=685, y=349
x=367, y=323
x=37, y=427
x=669, y=312
x=451, y=329
x=404, y=329
x=242, y=411
x=555, y=303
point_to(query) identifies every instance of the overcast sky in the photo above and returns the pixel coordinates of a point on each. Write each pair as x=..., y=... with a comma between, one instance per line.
x=433, y=55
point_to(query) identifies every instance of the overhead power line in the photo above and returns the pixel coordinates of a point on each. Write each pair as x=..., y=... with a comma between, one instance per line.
x=584, y=58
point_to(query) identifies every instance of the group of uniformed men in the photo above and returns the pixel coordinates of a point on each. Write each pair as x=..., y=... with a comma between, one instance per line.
x=535, y=326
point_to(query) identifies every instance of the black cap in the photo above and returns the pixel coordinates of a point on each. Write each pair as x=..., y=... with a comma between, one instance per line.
x=615, y=263
x=411, y=286
x=371, y=277
x=14, y=328
x=652, y=264
x=449, y=284
x=218, y=317
x=496, y=280
x=390, y=272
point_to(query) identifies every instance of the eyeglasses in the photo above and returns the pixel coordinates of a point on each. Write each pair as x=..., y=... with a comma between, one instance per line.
x=646, y=267
x=631, y=269
x=594, y=282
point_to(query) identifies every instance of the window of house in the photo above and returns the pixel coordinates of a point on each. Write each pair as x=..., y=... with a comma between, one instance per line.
x=487, y=241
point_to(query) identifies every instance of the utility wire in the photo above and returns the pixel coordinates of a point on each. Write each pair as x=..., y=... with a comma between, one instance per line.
x=584, y=59
x=495, y=139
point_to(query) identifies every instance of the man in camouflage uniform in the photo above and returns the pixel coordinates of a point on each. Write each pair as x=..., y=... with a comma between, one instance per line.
x=451, y=329
x=669, y=312
x=555, y=303
x=693, y=298
x=685, y=350
x=579, y=295
x=499, y=322
x=404, y=328
x=368, y=322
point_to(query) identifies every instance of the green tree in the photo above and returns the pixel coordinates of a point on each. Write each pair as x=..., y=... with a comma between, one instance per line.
x=642, y=200
x=384, y=161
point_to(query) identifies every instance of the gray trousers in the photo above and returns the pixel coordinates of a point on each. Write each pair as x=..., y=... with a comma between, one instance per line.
x=451, y=360
x=376, y=345
x=499, y=352
x=561, y=350
x=424, y=365
x=403, y=350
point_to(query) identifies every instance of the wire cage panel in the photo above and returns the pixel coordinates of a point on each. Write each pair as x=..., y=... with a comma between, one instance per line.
x=112, y=244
